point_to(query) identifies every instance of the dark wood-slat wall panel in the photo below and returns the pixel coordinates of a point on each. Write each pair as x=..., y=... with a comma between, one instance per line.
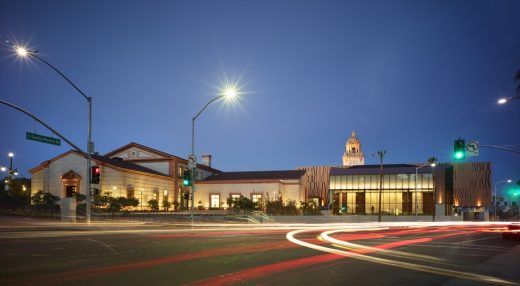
x=316, y=182
x=472, y=184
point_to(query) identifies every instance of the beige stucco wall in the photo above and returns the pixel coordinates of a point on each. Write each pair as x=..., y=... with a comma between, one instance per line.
x=290, y=190
x=117, y=183
x=112, y=180
x=49, y=178
x=38, y=181
x=161, y=167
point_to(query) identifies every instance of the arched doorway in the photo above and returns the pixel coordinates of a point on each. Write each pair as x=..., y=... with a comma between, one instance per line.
x=71, y=184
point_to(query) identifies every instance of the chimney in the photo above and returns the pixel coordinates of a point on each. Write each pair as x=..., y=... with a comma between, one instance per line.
x=206, y=159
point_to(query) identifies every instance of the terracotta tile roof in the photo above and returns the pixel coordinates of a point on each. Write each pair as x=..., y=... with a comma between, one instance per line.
x=257, y=175
x=126, y=165
x=103, y=159
x=157, y=152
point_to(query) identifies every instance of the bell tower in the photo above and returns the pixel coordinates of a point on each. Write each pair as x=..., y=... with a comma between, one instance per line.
x=353, y=154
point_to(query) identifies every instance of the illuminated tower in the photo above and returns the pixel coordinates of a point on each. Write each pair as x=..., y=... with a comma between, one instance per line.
x=353, y=154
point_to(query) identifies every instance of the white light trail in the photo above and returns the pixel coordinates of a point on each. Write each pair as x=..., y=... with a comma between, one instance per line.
x=395, y=263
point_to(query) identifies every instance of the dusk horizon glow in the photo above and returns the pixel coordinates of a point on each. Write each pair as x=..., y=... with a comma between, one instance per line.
x=408, y=77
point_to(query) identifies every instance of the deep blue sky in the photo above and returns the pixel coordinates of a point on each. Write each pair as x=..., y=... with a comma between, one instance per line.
x=408, y=76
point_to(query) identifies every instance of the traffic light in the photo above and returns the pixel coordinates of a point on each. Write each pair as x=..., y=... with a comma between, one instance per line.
x=95, y=174
x=459, y=149
x=186, y=178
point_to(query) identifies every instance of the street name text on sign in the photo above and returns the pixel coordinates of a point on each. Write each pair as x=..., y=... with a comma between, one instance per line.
x=42, y=138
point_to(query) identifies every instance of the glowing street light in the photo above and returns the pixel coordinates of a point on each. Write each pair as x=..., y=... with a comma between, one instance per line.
x=23, y=52
x=504, y=100
x=495, y=200
x=230, y=93
x=432, y=165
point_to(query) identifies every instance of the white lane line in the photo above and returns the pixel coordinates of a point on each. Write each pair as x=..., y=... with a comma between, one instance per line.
x=466, y=241
x=396, y=263
x=104, y=244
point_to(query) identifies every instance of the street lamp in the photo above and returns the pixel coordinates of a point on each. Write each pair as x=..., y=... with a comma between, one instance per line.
x=230, y=93
x=11, y=171
x=504, y=100
x=495, y=200
x=416, y=199
x=21, y=51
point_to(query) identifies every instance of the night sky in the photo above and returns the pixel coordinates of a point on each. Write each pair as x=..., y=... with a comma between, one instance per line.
x=408, y=76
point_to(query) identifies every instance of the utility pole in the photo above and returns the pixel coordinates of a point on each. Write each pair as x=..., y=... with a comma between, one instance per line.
x=433, y=162
x=381, y=156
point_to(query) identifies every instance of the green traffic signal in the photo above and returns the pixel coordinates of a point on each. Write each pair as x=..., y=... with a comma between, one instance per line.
x=186, y=178
x=459, y=149
x=459, y=155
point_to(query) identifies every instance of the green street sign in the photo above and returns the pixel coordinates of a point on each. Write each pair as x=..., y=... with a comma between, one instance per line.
x=41, y=138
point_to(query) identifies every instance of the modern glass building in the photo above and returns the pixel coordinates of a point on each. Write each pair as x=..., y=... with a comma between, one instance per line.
x=356, y=190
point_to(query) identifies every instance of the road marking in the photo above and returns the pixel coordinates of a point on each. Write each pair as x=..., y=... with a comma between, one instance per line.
x=466, y=241
x=104, y=244
x=361, y=255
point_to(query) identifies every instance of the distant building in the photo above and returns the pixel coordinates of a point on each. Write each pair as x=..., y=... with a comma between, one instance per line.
x=145, y=173
x=462, y=188
x=132, y=170
x=353, y=155
x=258, y=186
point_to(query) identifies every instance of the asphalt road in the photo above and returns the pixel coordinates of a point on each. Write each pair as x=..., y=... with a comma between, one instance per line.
x=35, y=252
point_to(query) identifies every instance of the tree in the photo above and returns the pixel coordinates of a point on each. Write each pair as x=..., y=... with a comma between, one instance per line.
x=166, y=205
x=45, y=200
x=242, y=204
x=19, y=193
x=154, y=205
x=278, y=208
x=517, y=79
x=130, y=203
x=309, y=208
x=115, y=205
x=102, y=200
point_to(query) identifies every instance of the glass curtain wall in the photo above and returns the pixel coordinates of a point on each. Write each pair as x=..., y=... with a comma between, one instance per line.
x=359, y=194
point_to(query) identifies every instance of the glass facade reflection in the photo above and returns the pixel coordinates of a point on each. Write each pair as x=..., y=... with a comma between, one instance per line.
x=359, y=194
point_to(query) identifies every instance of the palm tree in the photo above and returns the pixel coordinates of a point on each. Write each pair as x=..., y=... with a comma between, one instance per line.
x=517, y=79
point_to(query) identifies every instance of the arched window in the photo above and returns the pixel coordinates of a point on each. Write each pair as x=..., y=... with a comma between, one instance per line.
x=130, y=191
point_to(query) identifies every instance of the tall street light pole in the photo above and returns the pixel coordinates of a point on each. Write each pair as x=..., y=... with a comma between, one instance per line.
x=416, y=197
x=90, y=145
x=12, y=171
x=230, y=93
x=381, y=156
x=495, y=200
x=433, y=162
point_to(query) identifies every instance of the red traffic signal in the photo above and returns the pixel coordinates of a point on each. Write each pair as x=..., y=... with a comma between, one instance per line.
x=95, y=174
